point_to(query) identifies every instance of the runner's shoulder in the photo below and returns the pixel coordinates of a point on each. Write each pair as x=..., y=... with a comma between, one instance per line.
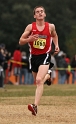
x=28, y=27
x=51, y=25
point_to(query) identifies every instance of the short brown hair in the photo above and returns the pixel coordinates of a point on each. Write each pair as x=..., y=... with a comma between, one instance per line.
x=37, y=7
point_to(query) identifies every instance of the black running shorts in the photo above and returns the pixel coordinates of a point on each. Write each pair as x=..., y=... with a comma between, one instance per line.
x=36, y=60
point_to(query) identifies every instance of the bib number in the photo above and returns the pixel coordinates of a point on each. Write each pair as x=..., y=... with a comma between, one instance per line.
x=39, y=44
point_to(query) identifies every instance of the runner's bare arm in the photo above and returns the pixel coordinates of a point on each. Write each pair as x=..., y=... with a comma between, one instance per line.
x=54, y=37
x=24, y=37
x=28, y=36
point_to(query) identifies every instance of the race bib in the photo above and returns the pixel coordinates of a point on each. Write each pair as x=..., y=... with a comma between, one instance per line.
x=39, y=44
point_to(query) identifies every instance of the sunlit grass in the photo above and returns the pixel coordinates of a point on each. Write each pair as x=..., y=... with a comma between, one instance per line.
x=29, y=90
x=24, y=94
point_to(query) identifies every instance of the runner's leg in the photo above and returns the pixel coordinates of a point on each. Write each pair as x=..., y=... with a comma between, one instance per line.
x=43, y=69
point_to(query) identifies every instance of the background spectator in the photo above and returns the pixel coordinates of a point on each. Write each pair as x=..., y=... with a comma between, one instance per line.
x=2, y=59
x=73, y=65
x=53, y=73
x=17, y=64
x=30, y=78
x=24, y=69
x=62, y=65
x=68, y=71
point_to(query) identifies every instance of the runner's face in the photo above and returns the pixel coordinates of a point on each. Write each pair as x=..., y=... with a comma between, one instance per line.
x=39, y=14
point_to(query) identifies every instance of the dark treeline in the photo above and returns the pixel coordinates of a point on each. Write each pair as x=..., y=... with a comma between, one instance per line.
x=16, y=14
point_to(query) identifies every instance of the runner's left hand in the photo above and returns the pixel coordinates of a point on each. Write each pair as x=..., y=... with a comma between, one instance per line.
x=56, y=49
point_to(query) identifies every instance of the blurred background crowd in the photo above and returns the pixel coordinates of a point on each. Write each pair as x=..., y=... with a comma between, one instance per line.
x=17, y=64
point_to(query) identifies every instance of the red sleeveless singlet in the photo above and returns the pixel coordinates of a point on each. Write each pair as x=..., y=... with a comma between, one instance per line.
x=43, y=44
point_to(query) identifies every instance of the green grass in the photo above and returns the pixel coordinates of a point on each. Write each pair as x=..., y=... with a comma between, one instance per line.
x=29, y=90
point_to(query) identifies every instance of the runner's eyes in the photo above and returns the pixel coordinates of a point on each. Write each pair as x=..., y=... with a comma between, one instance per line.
x=39, y=11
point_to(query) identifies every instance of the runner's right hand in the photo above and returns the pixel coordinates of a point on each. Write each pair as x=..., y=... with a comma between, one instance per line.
x=33, y=37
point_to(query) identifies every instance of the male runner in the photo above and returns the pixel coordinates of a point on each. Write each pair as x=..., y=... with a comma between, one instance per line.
x=37, y=35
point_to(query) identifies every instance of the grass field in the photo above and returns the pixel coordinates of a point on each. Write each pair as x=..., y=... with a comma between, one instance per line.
x=57, y=105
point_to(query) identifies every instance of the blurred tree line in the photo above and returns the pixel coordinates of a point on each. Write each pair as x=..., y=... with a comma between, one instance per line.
x=15, y=15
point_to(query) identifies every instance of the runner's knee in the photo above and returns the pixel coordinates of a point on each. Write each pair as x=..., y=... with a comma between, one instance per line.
x=38, y=80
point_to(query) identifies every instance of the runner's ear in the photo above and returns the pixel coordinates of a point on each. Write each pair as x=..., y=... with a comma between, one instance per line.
x=34, y=16
x=45, y=14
